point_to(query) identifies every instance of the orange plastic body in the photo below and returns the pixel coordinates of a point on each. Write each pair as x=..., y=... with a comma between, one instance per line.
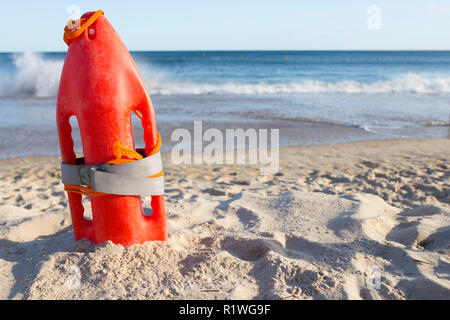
x=101, y=86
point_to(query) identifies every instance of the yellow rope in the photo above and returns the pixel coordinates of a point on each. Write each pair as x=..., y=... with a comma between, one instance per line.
x=119, y=151
x=87, y=191
x=70, y=34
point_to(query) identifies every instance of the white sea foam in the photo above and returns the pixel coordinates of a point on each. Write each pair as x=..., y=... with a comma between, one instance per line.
x=35, y=76
x=410, y=83
x=39, y=77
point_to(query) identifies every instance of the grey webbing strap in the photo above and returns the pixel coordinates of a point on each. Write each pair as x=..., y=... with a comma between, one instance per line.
x=125, y=179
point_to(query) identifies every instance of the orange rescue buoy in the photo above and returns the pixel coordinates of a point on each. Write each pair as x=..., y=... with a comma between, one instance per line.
x=101, y=86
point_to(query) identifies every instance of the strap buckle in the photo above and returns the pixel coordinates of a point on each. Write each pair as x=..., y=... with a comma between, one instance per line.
x=131, y=178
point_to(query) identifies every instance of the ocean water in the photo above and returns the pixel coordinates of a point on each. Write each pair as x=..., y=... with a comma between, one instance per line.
x=313, y=97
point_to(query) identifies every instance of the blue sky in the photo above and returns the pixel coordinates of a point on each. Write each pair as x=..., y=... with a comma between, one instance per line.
x=236, y=25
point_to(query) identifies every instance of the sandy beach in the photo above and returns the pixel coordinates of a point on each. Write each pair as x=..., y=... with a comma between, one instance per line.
x=363, y=220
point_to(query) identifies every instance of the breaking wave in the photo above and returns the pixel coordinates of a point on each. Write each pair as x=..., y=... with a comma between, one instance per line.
x=38, y=76
x=33, y=76
x=410, y=83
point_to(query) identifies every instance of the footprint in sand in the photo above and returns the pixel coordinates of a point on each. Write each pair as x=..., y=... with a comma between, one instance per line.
x=245, y=249
x=214, y=192
x=419, y=227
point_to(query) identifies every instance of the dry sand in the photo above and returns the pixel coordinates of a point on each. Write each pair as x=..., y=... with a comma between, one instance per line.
x=332, y=220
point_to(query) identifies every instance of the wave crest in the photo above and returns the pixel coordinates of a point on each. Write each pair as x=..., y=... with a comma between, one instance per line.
x=39, y=77
x=410, y=83
x=35, y=76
